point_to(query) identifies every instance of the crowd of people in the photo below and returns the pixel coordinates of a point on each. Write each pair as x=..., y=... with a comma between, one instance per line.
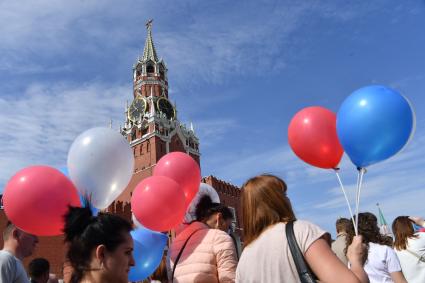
x=278, y=247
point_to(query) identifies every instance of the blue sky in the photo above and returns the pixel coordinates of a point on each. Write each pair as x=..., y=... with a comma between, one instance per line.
x=239, y=70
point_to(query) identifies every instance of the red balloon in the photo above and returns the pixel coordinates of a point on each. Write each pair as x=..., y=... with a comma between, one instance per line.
x=183, y=169
x=312, y=136
x=37, y=198
x=158, y=203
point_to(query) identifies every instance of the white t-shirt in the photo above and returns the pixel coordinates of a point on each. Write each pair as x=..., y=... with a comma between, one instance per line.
x=381, y=261
x=268, y=259
x=413, y=269
x=11, y=269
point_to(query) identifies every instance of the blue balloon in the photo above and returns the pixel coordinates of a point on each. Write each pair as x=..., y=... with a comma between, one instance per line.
x=148, y=250
x=93, y=209
x=373, y=124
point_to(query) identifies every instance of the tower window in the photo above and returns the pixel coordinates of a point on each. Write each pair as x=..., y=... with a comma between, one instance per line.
x=141, y=149
x=150, y=69
x=148, y=147
x=133, y=135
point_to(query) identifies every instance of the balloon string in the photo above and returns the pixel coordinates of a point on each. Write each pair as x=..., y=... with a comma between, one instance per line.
x=360, y=175
x=346, y=198
x=357, y=198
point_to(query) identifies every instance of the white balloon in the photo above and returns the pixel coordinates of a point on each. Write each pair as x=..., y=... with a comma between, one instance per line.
x=204, y=189
x=100, y=163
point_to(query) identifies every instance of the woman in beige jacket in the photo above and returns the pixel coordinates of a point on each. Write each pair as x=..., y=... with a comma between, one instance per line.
x=207, y=253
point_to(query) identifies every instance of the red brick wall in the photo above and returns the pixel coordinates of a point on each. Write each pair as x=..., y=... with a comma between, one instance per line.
x=146, y=158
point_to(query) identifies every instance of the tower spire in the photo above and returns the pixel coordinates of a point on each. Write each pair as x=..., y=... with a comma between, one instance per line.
x=149, y=52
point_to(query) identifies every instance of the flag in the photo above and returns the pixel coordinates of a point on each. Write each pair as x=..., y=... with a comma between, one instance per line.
x=383, y=226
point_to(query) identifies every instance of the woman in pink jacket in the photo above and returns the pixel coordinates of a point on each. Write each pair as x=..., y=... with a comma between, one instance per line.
x=203, y=252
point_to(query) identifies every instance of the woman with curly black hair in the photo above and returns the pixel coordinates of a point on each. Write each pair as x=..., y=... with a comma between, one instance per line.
x=380, y=262
x=100, y=248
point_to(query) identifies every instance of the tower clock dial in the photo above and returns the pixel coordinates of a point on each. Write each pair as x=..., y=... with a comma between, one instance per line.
x=137, y=108
x=165, y=106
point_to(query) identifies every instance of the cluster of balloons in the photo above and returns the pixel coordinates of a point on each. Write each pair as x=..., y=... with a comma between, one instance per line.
x=100, y=164
x=99, y=167
x=373, y=124
x=160, y=202
x=149, y=245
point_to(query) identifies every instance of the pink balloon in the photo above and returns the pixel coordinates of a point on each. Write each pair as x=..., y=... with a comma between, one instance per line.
x=183, y=169
x=158, y=203
x=37, y=198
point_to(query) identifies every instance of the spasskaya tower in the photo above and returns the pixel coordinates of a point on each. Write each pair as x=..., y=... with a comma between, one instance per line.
x=151, y=123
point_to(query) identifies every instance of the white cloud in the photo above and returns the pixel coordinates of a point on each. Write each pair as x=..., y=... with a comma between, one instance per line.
x=201, y=45
x=211, y=132
x=281, y=161
x=39, y=125
x=250, y=37
x=38, y=36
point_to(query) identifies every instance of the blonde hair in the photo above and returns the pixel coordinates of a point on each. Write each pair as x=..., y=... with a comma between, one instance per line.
x=264, y=203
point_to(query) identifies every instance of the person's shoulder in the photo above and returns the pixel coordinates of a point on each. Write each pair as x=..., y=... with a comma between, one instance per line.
x=305, y=225
x=302, y=222
x=219, y=235
x=420, y=235
x=307, y=233
x=189, y=230
x=6, y=256
x=389, y=250
x=381, y=248
x=268, y=236
x=376, y=246
x=8, y=261
x=277, y=228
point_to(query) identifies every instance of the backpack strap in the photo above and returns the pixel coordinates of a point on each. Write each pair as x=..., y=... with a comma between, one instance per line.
x=181, y=252
x=304, y=271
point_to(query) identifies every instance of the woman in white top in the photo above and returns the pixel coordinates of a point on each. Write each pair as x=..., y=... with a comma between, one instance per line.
x=381, y=262
x=410, y=248
x=267, y=258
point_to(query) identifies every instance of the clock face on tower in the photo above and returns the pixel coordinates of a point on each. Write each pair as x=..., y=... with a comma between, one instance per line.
x=165, y=106
x=137, y=108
